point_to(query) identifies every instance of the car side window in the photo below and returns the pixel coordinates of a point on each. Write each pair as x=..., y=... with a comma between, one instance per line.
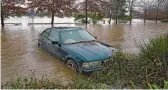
x=53, y=35
x=46, y=33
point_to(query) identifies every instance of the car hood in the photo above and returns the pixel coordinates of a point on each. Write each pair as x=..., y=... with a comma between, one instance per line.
x=91, y=51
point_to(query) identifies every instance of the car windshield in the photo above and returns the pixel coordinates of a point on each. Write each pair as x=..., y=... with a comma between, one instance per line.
x=75, y=36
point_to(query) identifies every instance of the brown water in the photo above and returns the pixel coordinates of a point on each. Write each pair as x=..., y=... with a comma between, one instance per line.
x=20, y=53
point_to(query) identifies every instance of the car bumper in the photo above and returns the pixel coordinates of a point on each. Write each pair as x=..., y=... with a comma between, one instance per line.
x=93, y=68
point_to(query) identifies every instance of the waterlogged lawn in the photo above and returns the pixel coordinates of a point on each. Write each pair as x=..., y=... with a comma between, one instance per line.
x=124, y=70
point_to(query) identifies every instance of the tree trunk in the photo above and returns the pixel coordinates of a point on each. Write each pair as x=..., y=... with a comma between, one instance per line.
x=145, y=16
x=109, y=21
x=86, y=12
x=2, y=17
x=131, y=16
x=156, y=16
x=157, y=12
x=52, y=18
x=116, y=20
x=110, y=18
x=131, y=9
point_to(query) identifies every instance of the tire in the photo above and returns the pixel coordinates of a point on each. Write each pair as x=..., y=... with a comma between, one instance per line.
x=72, y=65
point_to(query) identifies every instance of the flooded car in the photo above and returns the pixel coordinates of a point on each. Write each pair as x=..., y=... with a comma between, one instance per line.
x=76, y=47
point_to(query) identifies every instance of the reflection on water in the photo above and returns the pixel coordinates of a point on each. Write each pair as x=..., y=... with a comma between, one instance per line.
x=20, y=53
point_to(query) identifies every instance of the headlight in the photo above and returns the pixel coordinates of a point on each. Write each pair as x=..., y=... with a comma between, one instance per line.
x=96, y=63
x=85, y=65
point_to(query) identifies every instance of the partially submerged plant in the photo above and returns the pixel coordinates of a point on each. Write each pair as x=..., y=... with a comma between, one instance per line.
x=154, y=59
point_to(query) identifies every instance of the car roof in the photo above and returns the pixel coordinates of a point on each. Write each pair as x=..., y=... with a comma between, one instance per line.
x=65, y=28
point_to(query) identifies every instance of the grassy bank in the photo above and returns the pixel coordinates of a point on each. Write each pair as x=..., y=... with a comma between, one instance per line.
x=124, y=70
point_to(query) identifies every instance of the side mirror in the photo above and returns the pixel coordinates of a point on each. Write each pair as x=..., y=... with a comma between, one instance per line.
x=54, y=42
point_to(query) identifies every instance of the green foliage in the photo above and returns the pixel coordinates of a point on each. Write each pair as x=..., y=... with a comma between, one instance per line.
x=78, y=16
x=94, y=16
x=132, y=84
x=30, y=82
x=156, y=52
x=155, y=86
x=83, y=82
x=164, y=20
x=122, y=65
x=154, y=59
x=125, y=17
x=165, y=85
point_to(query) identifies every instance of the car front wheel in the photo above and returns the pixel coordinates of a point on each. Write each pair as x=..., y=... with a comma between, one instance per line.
x=72, y=65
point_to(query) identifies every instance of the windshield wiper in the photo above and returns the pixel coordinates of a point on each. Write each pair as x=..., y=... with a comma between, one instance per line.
x=83, y=41
x=79, y=42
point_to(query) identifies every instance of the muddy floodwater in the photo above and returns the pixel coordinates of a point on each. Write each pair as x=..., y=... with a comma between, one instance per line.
x=20, y=53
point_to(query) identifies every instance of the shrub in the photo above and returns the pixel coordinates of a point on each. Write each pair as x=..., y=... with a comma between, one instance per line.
x=94, y=16
x=164, y=20
x=124, y=17
x=154, y=59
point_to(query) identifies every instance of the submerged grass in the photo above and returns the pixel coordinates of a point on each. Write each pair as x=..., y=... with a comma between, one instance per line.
x=31, y=82
x=124, y=70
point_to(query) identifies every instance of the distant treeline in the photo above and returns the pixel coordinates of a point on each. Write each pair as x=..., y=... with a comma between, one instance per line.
x=112, y=9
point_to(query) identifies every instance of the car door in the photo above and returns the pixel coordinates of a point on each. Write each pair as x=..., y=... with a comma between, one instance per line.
x=44, y=37
x=53, y=48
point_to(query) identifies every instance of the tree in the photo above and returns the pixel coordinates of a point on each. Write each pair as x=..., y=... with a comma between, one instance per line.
x=158, y=5
x=11, y=8
x=94, y=7
x=110, y=10
x=94, y=16
x=58, y=8
x=145, y=4
x=117, y=8
x=131, y=5
x=166, y=9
